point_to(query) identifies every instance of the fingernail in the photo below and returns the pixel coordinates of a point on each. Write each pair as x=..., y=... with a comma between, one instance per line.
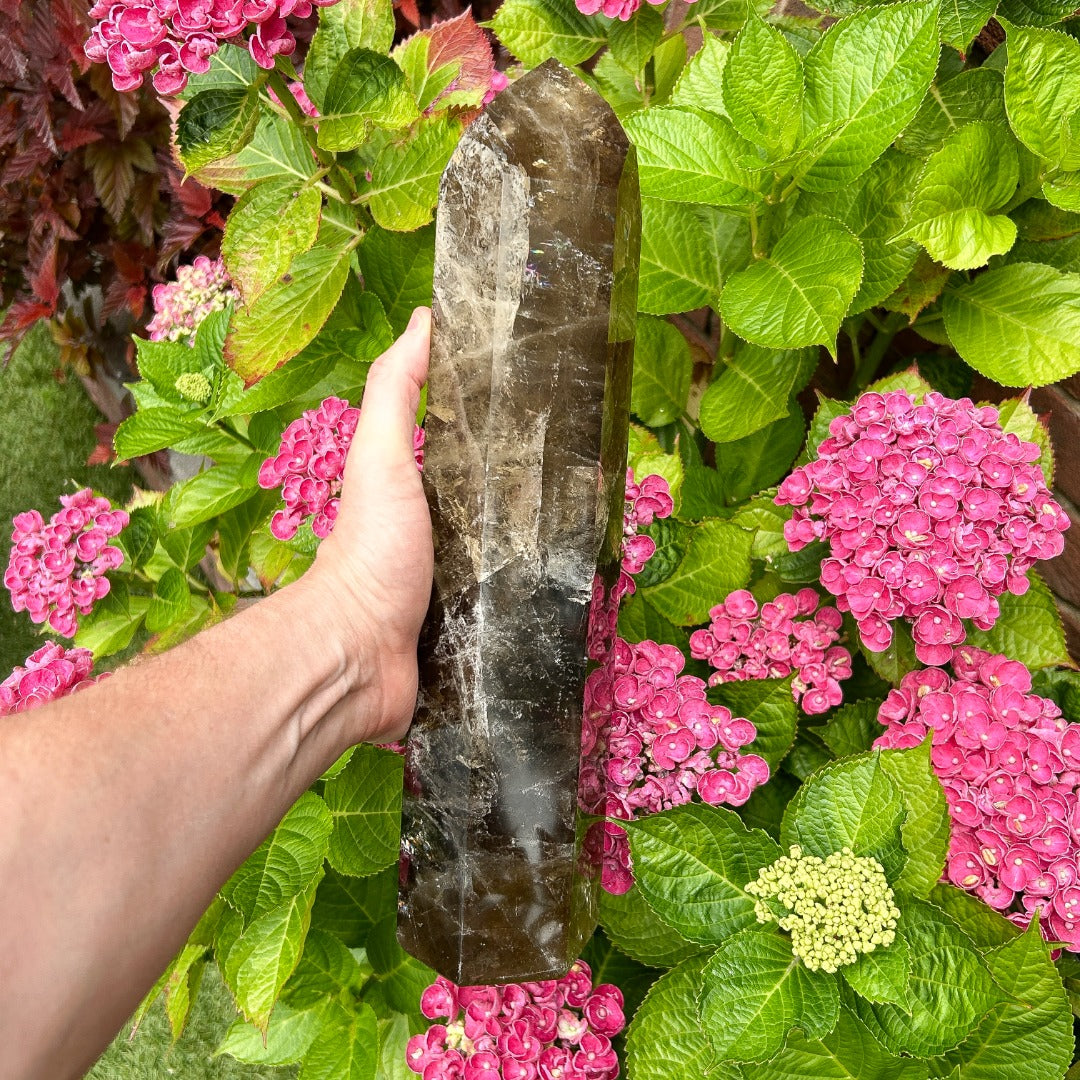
x=416, y=321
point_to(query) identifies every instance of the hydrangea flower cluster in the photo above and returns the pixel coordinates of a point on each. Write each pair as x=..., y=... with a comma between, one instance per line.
x=56, y=571
x=310, y=465
x=931, y=512
x=179, y=306
x=178, y=37
x=660, y=742
x=835, y=908
x=1010, y=766
x=788, y=634
x=559, y=1029
x=613, y=9
x=49, y=673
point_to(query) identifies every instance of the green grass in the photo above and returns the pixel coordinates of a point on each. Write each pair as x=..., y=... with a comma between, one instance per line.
x=45, y=439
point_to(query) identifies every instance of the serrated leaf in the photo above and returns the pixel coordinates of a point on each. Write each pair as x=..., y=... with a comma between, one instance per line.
x=404, y=184
x=852, y=728
x=754, y=462
x=662, y=368
x=365, y=803
x=1017, y=324
x=972, y=96
x=688, y=155
x=700, y=85
x=613, y=966
x=1063, y=191
x=755, y=991
x=1035, y=12
x=798, y=296
x=848, y=1052
x=666, y=1040
x=981, y=923
x=346, y=1046
x=640, y=621
x=397, y=268
x=961, y=20
x=285, y=863
x=292, y=310
x=865, y=80
x=632, y=42
x=951, y=988
x=288, y=1038
x=1029, y=628
x=171, y=597
x=768, y=705
x=1016, y=416
x=349, y=907
x=348, y=24
x=215, y=124
x=367, y=89
x=974, y=173
x=882, y=975
x=1042, y=93
x=212, y=492
x=763, y=86
x=534, y=30
x=400, y=978
x=640, y=933
x=447, y=65
x=327, y=970
x=149, y=430
x=271, y=223
x=752, y=390
x=765, y=520
x=681, y=254
x=139, y=536
x=692, y=865
x=717, y=561
x=848, y=804
x=925, y=832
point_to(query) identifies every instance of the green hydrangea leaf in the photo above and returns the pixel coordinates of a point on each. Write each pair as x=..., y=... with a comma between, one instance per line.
x=692, y=864
x=851, y=803
x=149, y=430
x=216, y=123
x=974, y=173
x=209, y=493
x=951, y=988
x=277, y=149
x=398, y=268
x=766, y=521
x=763, y=85
x=691, y=156
x=666, y=1040
x=755, y=991
x=1017, y=324
x=1042, y=93
x=848, y=1052
x=399, y=979
x=639, y=932
x=799, y=295
x=752, y=390
x=367, y=89
x=1029, y=628
x=983, y=925
x=1064, y=191
x=288, y=1038
x=972, y=96
x=534, y=30
x=882, y=975
x=865, y=80
x=350, y=907
x=961, y=20
x=1035, y=12
x=1017, y=416
x=754, y=462
x=716, y=562
x=768, y=705
x=640, y=621
x=632, y=42
x=852, y=728
x=365, y=803
x=700, y=86
x=662, y=369
x=348, y=24
x=346, y=1047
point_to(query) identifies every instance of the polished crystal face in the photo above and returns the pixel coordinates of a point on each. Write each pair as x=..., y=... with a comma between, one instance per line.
x=535, y=295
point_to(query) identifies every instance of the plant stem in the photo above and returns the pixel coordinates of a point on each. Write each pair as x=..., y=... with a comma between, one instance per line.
x=296, y=115
x=867, y=367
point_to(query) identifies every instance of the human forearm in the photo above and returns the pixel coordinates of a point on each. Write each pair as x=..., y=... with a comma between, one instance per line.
x=127, y=805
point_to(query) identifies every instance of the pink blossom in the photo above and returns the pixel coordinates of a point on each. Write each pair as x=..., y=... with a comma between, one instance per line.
x=1007, y=761
x=49, y=673
x=179, y=306
x=930, y=511
x=557, y=1029
x=56, y=571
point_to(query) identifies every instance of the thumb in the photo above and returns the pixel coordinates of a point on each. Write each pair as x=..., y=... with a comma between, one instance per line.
x=392, y=395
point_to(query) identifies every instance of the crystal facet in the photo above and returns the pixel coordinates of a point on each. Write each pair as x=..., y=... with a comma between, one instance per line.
x=536, y=258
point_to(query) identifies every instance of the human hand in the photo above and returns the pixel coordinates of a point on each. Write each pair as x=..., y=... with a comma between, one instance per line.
x=375, y=568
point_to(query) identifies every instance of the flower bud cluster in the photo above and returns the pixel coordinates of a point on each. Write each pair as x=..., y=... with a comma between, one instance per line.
x=49, y=673
x=787, y=635
x=56, y=571
x=179, y=306
x=835, y=908
x=178, y=37
x=309, y=467
x=1010, y=766
x=651, y=740
x=931, y=511
x=559, y=1029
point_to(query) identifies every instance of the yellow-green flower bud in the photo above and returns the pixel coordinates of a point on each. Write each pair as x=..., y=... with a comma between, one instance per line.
x=193, y=386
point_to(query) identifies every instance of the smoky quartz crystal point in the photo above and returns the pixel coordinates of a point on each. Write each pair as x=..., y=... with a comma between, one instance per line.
x=536, y=256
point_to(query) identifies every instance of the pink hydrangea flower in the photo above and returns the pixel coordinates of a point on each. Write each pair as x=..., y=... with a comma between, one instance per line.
x=1010, y=766
x=309, y=467
x=179, y=306
x=931, y=512
x=558, y=1029
x=49, y=673
x=178, y=37
x=613, y=9
x=788, y=635
x=56, y=571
